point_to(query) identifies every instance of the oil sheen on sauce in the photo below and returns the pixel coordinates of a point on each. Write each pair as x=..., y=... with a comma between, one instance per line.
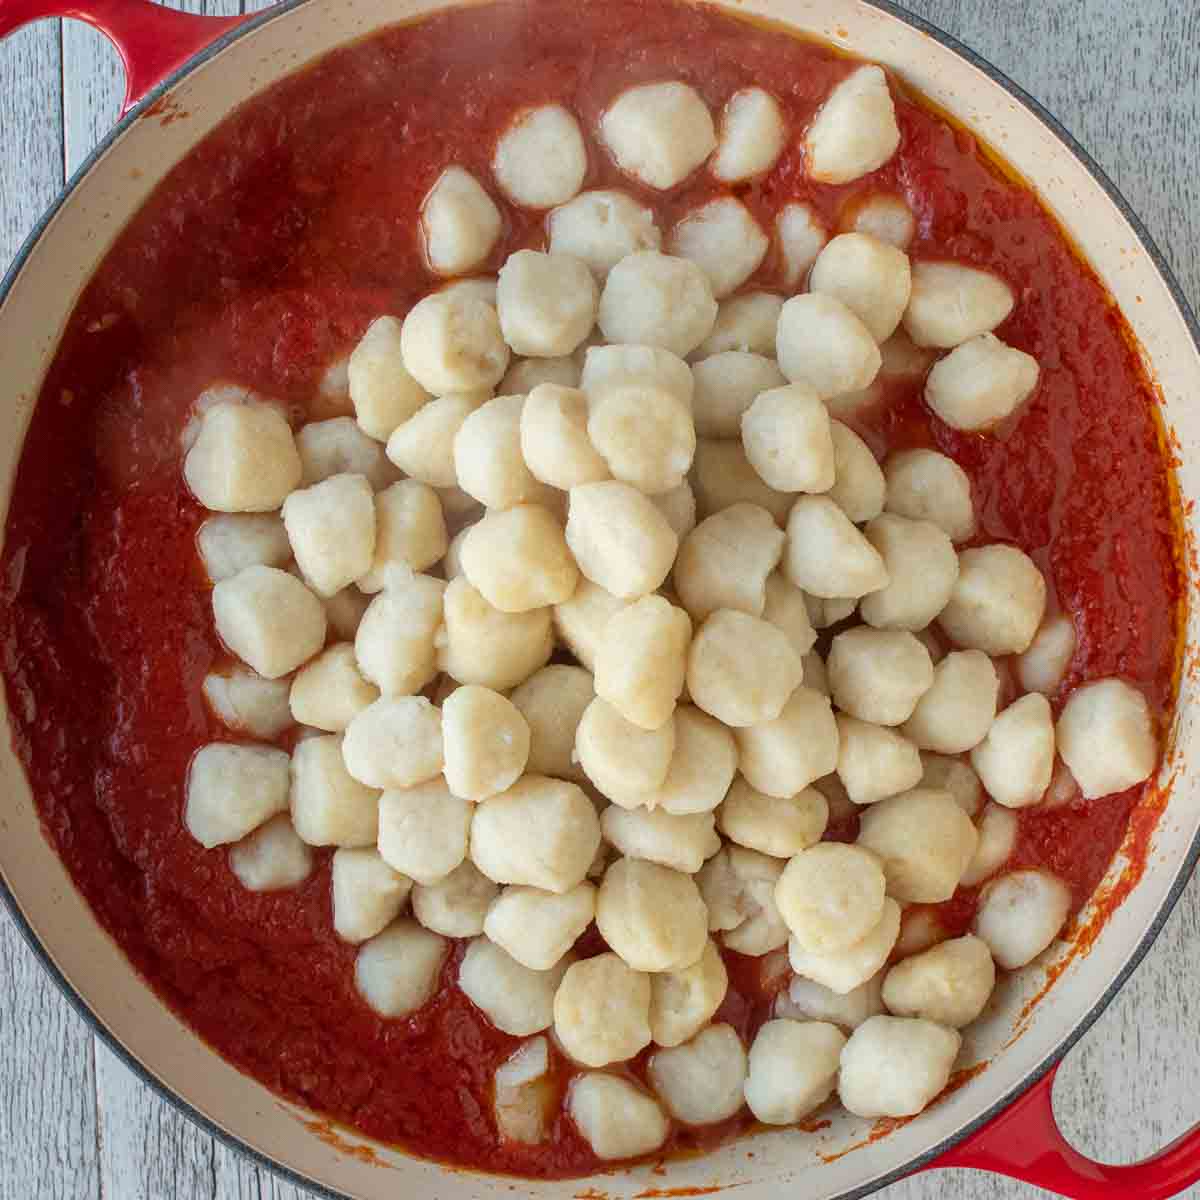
x=263, y=256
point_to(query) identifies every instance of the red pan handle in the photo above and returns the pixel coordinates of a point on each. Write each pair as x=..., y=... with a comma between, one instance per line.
x=152, y=40
x=1024, y=1142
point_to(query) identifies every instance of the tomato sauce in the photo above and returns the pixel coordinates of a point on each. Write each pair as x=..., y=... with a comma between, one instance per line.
x=261, y=258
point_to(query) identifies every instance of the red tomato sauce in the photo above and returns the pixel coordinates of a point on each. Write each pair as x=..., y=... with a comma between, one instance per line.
x=261, y=258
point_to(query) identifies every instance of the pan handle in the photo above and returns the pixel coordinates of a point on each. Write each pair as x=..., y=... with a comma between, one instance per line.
x=1024, y=1142
x=152, y=40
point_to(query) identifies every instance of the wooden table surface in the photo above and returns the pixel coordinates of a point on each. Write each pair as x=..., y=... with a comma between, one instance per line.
x=1122, y=76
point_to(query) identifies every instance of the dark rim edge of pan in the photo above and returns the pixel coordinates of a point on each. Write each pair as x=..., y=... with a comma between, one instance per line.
x=1183, y=875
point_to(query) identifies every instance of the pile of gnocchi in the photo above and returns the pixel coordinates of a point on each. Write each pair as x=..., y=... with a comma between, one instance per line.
x=539, y=618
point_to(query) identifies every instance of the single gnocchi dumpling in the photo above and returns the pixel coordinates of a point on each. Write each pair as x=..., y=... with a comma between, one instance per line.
x=397, y=971
x=383, y=391
x=653, y=299
x=870, y=277
x=602, y=1011
x=874, y=762
x=980, y=383
x=924, y=841
x=957, y=711
x=831, y=896
x=615, y=1117
x=525, y=1100
x=451, y=342
x=952, y=303
x=423, y=830
x=792, y=1069
x=395, y=742
x=848, y=968
x=827, y=556
x=518, y=1001
x=801, y=237
x=781, y=826
x=998, y=827
x=651, y=916
x=1014, y=762
x=554, y=438
x=625, y=762
x=540, y=159
x=480, y=644
x=410, y=533
x=726, y=384
x=601, y=228
x=620, y=541
x=1042, y=666
x=741, y=669
x=722, y=476
x=460, y=223
x=330, y=691
x=230, y=542
x=269, y=619
x=247, y=703
x=855, y=130
x=679, y=841
x=423, y=446
x=271, y=858
x=1106, y=737
x=702, y=765
x=751, y=138
x=700, y=1082
x=738, y=889
x=541, y=832
x=518, y=560
x=955, y=776
x=894, y=1066
x=823, y=343
x=643, y=432
x=642, y=659
x=553, y=701
x=726, y=560
x=787, y=438
x=488, y=459
x=924, y=485
x=394, y=645
x=331, y=528
x=341, y=447
x=244, y=459
x=329, y=806
x=682, y=1002
x=744, y=323
x=922, y=567
x=485, y=740
x=679, y=507
x=457, y=904
x=659, y=132
x=784, y=607
x=724, y=240
x=1020, y=913
x=858, y=487
x=878, y=675
x=781, y=757
x=997, y=603
x=883, y=216
x=367, y=893
x=547, y=303
x=538, y=928
x=807, y=1000
x=949, y=984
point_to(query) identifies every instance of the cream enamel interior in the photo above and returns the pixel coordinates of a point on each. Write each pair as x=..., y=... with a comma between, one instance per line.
x=36, y=310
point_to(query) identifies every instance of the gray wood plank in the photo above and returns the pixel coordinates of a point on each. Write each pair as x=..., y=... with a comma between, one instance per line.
x=1121, y=78
x=47, y=1119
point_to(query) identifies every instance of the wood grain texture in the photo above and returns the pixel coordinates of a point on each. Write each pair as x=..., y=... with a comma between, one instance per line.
x=1122, y=79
